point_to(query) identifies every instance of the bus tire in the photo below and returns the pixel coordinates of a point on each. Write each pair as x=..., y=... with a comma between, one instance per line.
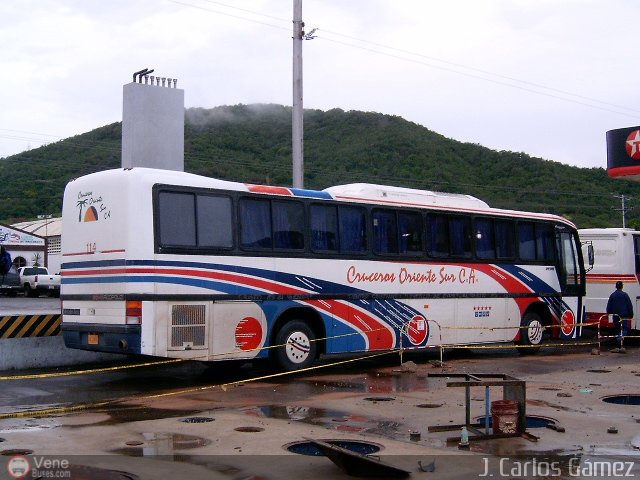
x=297, y=348
x=531, y=333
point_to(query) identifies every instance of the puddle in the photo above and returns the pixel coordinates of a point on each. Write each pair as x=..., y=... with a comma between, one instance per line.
x=544, y=403
x=380, y=382
x=161, y=444
x=14, y=425
x=331, y=419
x=125, y=414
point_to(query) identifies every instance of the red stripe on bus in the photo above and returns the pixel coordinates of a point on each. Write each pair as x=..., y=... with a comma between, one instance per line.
x=377, y=332
x=270, y=190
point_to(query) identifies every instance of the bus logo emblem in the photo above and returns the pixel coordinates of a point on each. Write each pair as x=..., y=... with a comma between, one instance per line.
x=248, y=334
x=567, y=322
x=417, y=330
x=633, y=145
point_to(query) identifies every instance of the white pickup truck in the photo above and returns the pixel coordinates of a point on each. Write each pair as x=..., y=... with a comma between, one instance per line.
x=36, y=280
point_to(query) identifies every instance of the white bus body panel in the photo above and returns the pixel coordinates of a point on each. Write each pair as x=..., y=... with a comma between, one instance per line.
x=614, y=260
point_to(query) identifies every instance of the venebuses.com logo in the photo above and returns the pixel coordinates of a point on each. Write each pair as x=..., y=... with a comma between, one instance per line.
x=18, y=467
x=38, y=467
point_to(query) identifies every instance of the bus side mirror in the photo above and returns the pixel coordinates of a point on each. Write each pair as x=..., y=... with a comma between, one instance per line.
x=590, y=256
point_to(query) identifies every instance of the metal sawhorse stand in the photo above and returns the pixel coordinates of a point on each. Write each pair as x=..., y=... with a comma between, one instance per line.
x=512, y=389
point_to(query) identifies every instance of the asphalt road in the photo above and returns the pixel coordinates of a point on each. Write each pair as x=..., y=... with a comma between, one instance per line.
x=189, y=421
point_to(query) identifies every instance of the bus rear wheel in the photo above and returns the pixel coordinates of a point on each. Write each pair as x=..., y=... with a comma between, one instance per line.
x=297, y=347
x=531, y=333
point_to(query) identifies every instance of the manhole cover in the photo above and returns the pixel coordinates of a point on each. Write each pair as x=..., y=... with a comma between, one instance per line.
x=134, y=443
x=623, y=399
x=429, y=405
x=249, y=429
x=309, y=448
x=197, y=420
x=379, y=399
x=599, y=371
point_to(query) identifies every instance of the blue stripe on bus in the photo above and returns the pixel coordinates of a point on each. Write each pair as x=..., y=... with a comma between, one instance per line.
x=121, y=262
x=302, y=192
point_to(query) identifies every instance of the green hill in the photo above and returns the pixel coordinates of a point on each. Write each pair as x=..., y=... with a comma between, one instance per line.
x=252, y=143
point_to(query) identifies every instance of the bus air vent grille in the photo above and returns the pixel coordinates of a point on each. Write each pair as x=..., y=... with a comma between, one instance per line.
x=188, y=326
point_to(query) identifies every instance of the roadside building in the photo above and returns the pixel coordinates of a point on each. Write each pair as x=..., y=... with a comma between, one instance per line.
x=49, y=231
x=25, y=247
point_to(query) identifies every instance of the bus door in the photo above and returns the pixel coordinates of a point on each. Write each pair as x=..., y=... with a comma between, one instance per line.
x=572, y=277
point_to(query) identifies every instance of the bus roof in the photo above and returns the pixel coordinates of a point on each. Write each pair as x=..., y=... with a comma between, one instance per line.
x=384, y=193
x=355, y=192
x=608, y=231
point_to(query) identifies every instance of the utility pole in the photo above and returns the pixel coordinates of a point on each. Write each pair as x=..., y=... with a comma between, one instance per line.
x=297, y=148
x=623, y=208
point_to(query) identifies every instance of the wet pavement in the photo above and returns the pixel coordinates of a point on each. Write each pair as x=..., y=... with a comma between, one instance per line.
x=188, y=421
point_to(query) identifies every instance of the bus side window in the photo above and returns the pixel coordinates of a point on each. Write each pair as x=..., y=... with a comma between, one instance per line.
x=438, y=234
x=214, y=221
x=485, y=247
x=636, y=252
x=385, y=231
x=526, y=241
x=177, y=219
x=460, y=236
x=545, y=242
x=324, y=228
x=288, y=225
x=353, y=229
x=504, y=239
x=410, y=228
x=255, y=224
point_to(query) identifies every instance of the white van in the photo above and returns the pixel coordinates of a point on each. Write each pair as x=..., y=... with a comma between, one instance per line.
x=616, y=258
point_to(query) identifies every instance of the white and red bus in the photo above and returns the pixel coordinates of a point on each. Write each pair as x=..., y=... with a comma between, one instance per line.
x=616, y=259
x=177, y=265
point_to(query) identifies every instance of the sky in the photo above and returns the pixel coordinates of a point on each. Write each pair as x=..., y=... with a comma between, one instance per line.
x=543, y=77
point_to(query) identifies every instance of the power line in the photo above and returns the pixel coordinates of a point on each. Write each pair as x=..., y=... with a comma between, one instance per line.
x=500, y=79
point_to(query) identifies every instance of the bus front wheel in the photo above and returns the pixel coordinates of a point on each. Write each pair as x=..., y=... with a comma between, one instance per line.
x=296, y=346
x=530, y=333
